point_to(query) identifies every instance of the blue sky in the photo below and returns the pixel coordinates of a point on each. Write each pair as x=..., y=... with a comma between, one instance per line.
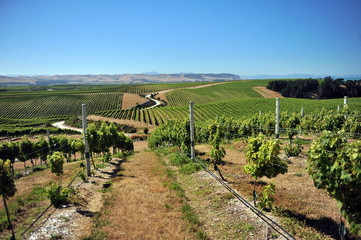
x=203, y=36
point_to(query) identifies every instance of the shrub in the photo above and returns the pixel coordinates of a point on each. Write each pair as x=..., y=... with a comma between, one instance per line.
x=190, y=168
x=56, y=163
x=179, y=159
x=267, y=200
x=293, y=150
x=106, y=158
x=58, y=195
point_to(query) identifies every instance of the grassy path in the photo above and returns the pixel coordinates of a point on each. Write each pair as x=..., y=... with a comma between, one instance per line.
x=140, y=206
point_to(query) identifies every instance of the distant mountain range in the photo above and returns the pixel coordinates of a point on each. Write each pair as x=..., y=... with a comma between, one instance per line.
x=151, y=77
x=148, y=77
x=260, y=76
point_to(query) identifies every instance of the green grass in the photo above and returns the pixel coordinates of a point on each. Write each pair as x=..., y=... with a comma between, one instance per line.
x=222, y=92
x=172, y=183
x=38, y=194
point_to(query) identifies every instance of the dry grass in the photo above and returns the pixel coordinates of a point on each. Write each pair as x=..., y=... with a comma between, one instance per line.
x=25, y=184
x=221, y=215
x=131, y=100
x=267, y=93
x=25, y=187
x=295, y=192
x=161, y=96
x=141, y=206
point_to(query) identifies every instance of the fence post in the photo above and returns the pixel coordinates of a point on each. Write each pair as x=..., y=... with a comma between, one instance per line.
x=345, y=101
x=87, y=154
x=277, y=129
x=302, y=112
x=191, y=123
x=260, y=125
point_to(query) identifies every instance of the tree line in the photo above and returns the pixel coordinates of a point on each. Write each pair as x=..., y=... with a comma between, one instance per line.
x=329, y=88
x=100, y=140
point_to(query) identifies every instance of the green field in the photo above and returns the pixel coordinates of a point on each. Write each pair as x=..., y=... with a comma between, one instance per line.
x=42, y=102
x=222, y=92
x=30, y=106
x=237, y=109
x=124, y=88
x=44, y=105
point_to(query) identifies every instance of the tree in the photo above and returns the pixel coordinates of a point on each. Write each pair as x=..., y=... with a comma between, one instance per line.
x=7, y=187
x=262, y=159
x=119, y=142
x=290, y=123
x=65, y=147
x=93, y=136
x=335, y=165
x=217, y=152
x=106, y=137
x=9, y=151
x=56, y=163
x=77, y=146
x=27, y=150
x=172, y=133
x=43, y=149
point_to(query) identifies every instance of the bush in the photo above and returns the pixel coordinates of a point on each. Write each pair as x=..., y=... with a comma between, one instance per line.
x=179, y=159
x=58, y=195
x=267, y=200
x=56, y=163
x=293, y=150
x=106, y=158
x=190, y=168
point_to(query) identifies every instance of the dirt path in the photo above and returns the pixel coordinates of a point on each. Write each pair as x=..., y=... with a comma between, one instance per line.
x=141, y=206
x=62, y=125
x=75, y=222
x=131, y=100
x=267, y=93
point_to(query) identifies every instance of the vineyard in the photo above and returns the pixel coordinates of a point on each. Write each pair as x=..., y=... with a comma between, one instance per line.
x=124, y=88
x=333, y=163
x=318, y=153
x=40, y=103
x=222, y=92
x=38, y=106
x=238, y=109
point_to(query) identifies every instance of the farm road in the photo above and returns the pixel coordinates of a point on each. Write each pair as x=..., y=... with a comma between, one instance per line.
x=161, y=94
x=267, y=93
x=62, y=125
x=141, y=206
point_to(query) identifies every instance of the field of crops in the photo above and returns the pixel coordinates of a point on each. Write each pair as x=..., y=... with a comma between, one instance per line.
x=240, y=108
x=234, y=99
x=222, y=92
x=150, y=88
x=42, y=102
x=123, y=88
x=24, y=106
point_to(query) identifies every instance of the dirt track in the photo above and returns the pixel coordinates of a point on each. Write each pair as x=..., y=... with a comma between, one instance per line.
x=266, y=93
x=143, y=207
x=131, y=100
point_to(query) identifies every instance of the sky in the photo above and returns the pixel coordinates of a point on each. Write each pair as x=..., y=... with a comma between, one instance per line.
x=42, y=37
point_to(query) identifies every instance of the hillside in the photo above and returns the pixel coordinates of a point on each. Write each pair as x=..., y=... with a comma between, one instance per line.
x=115, y=79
